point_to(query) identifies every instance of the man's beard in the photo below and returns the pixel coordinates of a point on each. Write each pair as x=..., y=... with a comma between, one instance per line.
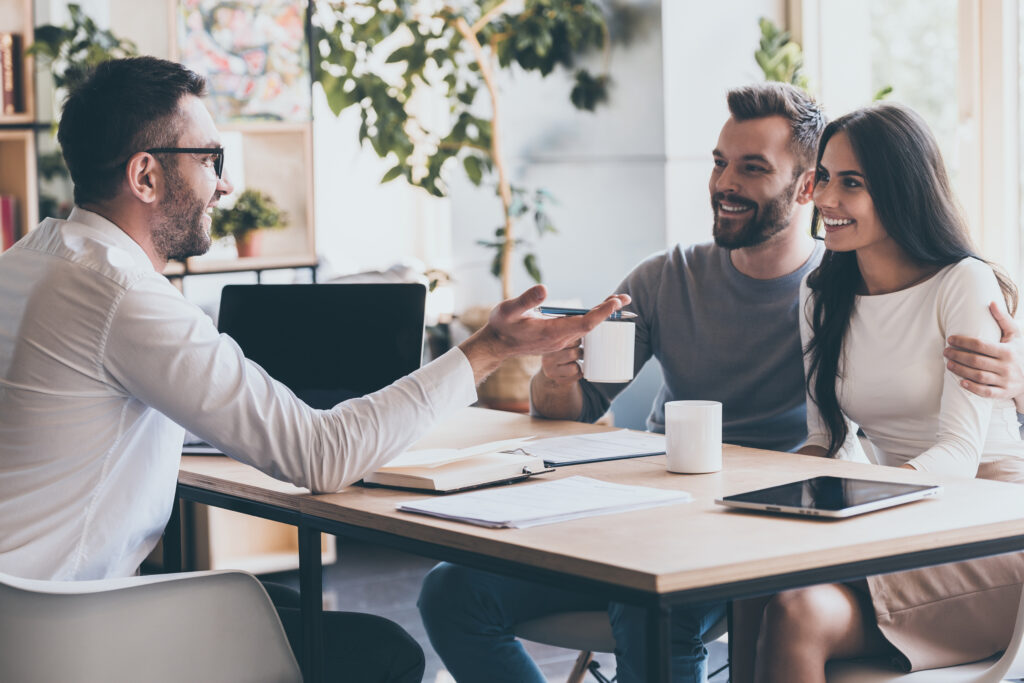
x=765, y=223
x=179, y=231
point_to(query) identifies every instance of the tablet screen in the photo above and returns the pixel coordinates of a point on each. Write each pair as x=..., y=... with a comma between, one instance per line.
x=827, y=493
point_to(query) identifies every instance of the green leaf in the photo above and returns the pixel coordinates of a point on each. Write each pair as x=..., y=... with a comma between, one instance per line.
x=882, y=93
x=530, y=263
x=394, y=173
x=473, y=169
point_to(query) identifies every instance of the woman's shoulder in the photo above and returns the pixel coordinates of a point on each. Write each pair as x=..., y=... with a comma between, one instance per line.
x=968, y=274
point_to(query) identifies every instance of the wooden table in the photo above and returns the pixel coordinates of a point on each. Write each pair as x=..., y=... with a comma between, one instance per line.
x=656, y=558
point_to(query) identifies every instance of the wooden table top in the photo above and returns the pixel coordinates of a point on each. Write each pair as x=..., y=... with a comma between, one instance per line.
x=665, y=549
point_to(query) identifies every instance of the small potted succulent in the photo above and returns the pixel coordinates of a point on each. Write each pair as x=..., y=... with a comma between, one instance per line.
x=253, y=211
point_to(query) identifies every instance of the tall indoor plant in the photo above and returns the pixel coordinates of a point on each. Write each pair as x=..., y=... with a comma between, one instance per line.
x=381, y=55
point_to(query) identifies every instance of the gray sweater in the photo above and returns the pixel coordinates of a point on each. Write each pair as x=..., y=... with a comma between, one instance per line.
x=719, y=335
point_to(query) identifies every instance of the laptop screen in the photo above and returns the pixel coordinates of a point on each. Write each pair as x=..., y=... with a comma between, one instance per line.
x=328, y=342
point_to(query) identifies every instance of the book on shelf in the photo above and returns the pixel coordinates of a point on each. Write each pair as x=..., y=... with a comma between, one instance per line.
x=10, y=73
x=8, y=221
x=446, y=470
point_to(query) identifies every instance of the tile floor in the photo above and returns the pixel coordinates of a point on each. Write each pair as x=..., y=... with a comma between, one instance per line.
x=386, y=582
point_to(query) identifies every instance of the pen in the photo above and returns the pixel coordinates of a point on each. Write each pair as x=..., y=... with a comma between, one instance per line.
x=554, y=310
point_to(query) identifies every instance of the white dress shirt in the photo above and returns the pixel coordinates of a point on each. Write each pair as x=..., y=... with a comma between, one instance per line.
x=102, y=365
x=894, y=382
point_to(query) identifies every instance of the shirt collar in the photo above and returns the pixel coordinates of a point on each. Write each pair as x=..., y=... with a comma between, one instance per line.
x=112, y=232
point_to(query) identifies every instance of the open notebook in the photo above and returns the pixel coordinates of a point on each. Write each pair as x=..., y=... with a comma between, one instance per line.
x=447, y=470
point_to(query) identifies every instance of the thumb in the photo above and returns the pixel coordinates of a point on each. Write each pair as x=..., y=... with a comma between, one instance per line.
x=531, y=298
x=1007, y=324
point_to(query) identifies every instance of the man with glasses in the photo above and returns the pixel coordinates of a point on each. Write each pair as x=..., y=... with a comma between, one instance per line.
x=103, y=362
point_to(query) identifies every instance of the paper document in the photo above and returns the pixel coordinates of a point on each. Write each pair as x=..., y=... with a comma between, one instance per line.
x=570, y=450
x=525, y=505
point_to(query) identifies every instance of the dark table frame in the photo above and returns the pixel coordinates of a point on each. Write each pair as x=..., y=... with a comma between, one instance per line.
x=658, y=605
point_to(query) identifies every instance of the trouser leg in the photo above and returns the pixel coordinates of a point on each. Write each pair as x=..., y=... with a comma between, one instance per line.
x=689, y=656
x=357, y=647
x=470, y=616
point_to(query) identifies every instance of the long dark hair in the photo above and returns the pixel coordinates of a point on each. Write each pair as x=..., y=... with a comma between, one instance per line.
x=907, y=181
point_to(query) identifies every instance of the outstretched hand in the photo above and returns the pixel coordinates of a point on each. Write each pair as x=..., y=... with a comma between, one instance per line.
x=992, y=370
x=515, y=328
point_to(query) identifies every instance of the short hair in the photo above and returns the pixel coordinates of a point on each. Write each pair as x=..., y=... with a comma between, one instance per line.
x=123, y=107
x=805, y=117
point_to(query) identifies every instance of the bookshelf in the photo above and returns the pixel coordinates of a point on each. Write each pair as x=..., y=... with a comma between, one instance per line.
x=18, y=176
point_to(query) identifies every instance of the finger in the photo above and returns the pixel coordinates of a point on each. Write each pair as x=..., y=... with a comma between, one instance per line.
x=975, y=345
x=531, y=298
x=600, y=313
x=1007, y=324
x=982, y=390
x=977, y=376
x=570, y=354
x=567, y=372
x=972, y=360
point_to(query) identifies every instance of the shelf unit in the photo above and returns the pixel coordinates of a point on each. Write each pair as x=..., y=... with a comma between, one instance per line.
x=18, y=175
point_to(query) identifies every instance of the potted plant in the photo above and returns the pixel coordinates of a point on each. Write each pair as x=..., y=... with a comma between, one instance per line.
x=381, y=56
x=252, y=212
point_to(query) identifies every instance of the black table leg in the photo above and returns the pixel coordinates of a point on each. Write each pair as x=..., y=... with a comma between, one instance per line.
x=311, y=584
x=172, y=540
x=659, y=643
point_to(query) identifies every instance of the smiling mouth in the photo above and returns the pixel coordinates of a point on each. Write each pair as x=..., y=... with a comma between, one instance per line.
x=832, y=224
x=727, y=208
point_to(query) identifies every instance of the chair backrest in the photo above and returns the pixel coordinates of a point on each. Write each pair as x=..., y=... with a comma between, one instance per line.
x=205, y=626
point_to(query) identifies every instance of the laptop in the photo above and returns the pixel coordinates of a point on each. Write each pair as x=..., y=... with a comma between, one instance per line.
x=834, y=497
x=327, y=342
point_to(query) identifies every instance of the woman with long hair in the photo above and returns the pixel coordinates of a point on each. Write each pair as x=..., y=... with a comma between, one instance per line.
x=898, y=278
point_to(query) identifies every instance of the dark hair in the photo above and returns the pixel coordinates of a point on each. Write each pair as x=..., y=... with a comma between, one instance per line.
x=806, y=120
x=123, y=107
x=907, y=181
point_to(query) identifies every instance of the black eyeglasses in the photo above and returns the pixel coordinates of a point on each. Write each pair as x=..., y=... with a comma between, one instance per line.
x=216, y=152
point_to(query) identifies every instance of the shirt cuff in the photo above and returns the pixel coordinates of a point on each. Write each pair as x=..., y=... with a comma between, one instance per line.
x=450, y=381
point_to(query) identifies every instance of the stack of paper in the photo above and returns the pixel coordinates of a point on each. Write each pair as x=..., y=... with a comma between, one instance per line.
x=523, y=505
x=581, y=448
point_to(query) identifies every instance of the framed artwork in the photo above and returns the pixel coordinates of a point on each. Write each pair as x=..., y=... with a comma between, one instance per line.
x=254, y=55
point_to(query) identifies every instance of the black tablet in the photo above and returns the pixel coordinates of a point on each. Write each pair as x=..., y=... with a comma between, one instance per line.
x=830, y=496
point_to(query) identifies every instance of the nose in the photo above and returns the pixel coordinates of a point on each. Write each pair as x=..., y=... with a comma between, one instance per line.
x=823, y=195
x=224, y=185
x=725, y=180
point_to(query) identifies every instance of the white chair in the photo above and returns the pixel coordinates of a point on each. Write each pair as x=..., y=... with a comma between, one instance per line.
x=1008, y=665
x=588, y=632
x=203, y=626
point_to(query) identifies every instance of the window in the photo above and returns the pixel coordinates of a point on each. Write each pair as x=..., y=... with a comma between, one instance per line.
x=957, y=62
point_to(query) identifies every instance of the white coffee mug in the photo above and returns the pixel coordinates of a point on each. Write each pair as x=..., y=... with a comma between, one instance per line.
x=608, y=352
x=693, y=435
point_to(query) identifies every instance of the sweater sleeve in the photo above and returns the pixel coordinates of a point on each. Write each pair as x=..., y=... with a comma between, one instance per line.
x=963, y=416
x=642, y=286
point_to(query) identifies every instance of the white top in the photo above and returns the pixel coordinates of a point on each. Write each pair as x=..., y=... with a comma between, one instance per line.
x=894, y=382
x=101, y=360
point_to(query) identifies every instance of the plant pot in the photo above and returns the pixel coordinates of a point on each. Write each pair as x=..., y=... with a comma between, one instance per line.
x=249, y=243
x=508, y=388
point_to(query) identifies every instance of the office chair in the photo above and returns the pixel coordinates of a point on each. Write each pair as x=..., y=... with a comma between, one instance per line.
x=588, y=632
x=1008, y=665
x=203, y=626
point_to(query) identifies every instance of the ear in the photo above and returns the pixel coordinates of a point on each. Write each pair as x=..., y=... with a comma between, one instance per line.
x=144, y=176
x=805, y=186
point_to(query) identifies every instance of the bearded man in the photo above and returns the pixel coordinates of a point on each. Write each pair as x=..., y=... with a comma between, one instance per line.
x=721, y=318
x=103, y=363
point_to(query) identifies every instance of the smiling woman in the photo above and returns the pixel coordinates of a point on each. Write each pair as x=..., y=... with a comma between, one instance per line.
x=898, y=276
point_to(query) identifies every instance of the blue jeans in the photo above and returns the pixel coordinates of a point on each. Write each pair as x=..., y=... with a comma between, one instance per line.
x=470, y=615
